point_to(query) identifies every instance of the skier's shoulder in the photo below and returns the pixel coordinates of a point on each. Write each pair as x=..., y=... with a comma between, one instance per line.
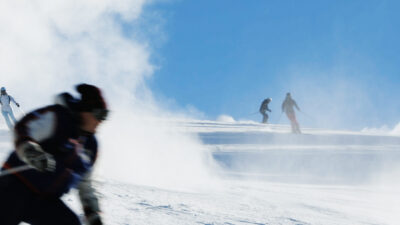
x=49, y=114
x=4, y=97
x=265, y=102
x=49, y=108
x=291, y=101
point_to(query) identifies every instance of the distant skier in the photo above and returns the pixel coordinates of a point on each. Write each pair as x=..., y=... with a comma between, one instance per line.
x=59, y=145
x=288, y=107
x=264, y=108
x=6, y=109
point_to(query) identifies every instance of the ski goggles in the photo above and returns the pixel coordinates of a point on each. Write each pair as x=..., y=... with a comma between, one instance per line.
x=100, y=114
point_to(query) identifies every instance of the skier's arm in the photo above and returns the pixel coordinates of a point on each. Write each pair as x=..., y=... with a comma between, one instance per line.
x=262, y=106
x=32, y=129
x=12, y=99
x=269, y=110
x=283, y=106
x=36, y=126
x=89, y=200
x=32, y=154
x=295, y=104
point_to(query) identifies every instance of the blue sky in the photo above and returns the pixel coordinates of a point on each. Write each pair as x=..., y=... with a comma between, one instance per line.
x=339, y=59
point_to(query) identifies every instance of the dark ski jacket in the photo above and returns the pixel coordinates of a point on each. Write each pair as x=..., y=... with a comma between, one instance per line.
x=288, y=105
x=264, y=106
x=56, y=129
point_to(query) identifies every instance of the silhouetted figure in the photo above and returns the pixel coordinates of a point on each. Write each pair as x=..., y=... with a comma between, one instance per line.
x=288, y=107
x=264, y=108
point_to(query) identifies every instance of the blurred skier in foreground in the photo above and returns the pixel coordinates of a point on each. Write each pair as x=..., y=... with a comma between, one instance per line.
x=288, y=107
x=57, y=145
x=264, y=108
x=6, y=109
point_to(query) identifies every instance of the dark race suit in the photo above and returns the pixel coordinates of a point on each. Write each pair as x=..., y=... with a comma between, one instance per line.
x=263, y=109
x=33, y=196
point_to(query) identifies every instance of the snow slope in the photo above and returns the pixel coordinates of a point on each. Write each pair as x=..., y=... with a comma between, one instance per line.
x=267, y=176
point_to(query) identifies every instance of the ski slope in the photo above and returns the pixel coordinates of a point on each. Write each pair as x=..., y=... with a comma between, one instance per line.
x=266, y=175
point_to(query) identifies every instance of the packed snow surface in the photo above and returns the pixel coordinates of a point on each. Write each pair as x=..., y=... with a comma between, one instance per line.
x=266, y=175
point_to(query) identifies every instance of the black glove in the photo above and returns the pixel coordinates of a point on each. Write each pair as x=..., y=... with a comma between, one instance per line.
x=32, y=154
x=17, y=104
x=269, y=110
x=94, y=219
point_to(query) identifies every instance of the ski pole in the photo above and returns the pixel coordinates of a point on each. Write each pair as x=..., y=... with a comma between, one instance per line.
x=21, y=111
x=253, y=113
x=15, y=170
x=310, y=117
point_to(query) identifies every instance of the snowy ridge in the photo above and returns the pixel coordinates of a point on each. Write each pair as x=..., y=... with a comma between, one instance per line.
x=248, y=126
x=317, y=155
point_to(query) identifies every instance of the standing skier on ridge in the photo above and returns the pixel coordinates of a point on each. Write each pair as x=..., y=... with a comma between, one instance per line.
x=264, y=108
x=288, y=107
x=57, y=145
x=6, y=109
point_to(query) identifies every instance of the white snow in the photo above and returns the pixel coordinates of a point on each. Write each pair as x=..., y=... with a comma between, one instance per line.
x=265, y=175
x=225, y=118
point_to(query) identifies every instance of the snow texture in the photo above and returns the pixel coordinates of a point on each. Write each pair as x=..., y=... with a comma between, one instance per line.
x=266, y=175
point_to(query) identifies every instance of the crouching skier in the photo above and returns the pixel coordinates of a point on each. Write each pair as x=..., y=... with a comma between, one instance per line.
x=58, y=142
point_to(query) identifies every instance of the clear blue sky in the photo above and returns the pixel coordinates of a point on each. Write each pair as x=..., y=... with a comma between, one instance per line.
x=339, y=59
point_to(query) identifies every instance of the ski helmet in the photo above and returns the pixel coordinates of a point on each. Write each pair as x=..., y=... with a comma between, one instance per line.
x=3, y=89
x=92, y=101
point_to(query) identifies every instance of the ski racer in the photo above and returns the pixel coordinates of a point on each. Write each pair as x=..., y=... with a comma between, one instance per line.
x=264, y=108
x=58, y=143
x=6, y=109
x=288, y=107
